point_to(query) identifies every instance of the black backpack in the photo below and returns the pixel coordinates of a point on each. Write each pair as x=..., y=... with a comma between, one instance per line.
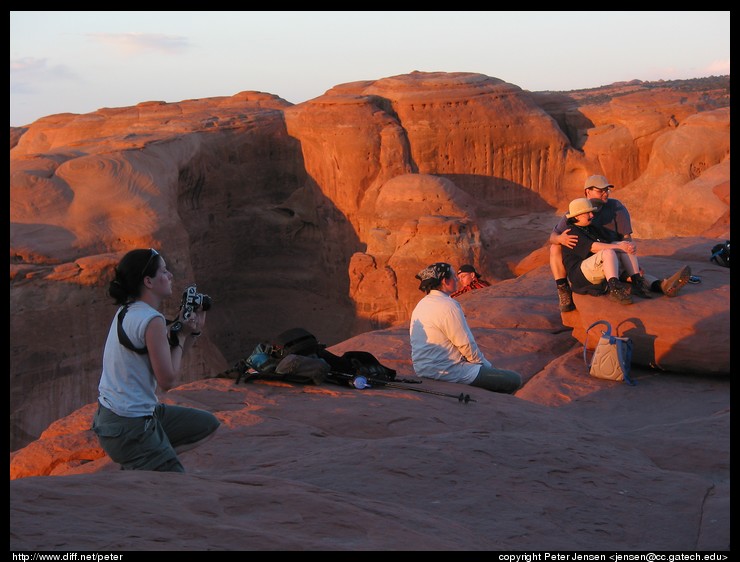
x=296, y=341
x=721, y=254
x=343, y=369
x=346, y=368
x=266, y=356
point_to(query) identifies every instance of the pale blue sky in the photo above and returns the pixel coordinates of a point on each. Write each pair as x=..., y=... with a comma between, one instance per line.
x=78, y=62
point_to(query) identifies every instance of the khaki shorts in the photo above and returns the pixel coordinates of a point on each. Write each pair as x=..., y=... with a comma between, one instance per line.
x=593, y=268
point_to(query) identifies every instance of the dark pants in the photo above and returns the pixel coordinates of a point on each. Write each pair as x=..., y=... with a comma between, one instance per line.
x=148, y=442
x=498, y=380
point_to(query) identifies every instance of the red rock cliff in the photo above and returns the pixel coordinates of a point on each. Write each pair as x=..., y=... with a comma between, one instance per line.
x=319, y=214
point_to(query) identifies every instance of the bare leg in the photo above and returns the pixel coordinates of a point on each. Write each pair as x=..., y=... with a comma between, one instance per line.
x=565, y=294
x=556, y=261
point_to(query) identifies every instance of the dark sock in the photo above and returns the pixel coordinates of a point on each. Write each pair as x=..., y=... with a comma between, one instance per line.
x=655, y=286
x=561, y=281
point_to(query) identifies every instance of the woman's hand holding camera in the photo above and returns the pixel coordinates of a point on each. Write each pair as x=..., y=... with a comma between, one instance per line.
x=196, y=323
x=183, y=329
x=191, y=318
x=193, y=325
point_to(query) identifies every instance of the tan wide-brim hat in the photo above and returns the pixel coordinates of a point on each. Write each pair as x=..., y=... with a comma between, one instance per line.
x=578, y=207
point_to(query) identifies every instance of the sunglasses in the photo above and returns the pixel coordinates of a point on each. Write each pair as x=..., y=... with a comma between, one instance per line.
x=601, y=189
x=154, y=254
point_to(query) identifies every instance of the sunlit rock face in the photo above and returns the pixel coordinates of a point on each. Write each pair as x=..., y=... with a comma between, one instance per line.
x=320, y=214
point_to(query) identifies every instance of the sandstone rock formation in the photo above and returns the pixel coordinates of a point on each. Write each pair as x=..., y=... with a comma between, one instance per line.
x=568, y=463
x=571, y=464
x=319, y=214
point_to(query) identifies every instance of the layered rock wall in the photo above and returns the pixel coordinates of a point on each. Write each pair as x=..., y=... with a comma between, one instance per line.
x=320, y=214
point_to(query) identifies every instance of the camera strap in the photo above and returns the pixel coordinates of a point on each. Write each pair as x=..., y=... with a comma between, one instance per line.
x=123, y=339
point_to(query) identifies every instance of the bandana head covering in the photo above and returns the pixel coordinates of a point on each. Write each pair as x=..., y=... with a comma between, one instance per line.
x=432, y=275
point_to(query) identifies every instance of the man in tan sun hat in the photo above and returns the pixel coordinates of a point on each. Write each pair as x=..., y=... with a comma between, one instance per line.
x=594, y=262
x=610, y=214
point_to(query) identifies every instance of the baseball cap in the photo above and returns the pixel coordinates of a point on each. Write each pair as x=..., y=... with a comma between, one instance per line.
x=599, y=182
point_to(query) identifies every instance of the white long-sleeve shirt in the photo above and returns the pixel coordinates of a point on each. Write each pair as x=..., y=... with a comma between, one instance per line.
x=442, y=345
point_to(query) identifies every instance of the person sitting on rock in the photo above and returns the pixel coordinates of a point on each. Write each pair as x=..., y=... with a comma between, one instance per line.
x=442, y=345
x=594, y=263
x=470, y=280
x=611, y=215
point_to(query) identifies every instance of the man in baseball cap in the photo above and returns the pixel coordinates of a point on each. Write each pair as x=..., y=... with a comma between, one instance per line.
x=470, y=280
x=609, y=214
x=595, y=261
x=597, y=182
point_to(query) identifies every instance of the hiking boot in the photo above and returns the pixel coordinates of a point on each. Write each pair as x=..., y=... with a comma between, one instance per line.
x=565, y=296
x=673, y=284
x=619, y=292
x=640, y=287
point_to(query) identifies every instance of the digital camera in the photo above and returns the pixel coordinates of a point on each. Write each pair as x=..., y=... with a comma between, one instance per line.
x=192, y=300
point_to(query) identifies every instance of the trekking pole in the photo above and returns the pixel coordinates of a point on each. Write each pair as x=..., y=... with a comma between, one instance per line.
x=461, y=398
x=360, y=382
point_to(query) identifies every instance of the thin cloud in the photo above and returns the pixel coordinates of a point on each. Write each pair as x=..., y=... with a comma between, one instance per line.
x=27, y=71
x=27, y=64
x=719, y=67
x=137, y=43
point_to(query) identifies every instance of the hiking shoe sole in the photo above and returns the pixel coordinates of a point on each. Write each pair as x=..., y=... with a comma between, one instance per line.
x=626, y=299
x=620, y=295
x=673, y=284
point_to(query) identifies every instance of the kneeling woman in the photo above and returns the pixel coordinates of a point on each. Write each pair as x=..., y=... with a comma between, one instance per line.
x=134, y=429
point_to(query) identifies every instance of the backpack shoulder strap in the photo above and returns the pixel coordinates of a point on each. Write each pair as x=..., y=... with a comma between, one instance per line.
x=606, y=333
x=123, y=339
x=365, y=363
x=605, y=323
x=296, y=341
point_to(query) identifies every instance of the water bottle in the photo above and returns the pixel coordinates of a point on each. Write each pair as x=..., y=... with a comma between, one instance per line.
x=359, y=382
